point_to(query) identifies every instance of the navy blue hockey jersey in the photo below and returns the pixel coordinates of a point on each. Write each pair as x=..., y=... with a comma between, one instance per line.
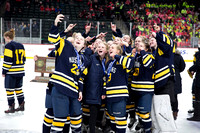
x=117, y=79
x=142, y=78
x=164, y=59
x=66, y=76
x=14, y=59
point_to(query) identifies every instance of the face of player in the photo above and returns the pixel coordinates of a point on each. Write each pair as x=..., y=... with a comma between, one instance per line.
x=101, y=50
x=79, y=42
x=137, y=41
x=126, y=38
x=153, y=43
x=97, y=42
x=141, y=46
x=113, y=50
x=117, y=41
x=110, y=43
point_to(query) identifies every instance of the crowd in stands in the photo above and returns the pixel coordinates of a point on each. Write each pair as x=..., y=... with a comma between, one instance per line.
x=180, y=20
x=102, y=10
x=15, y=6
x=22, y=29
x=49, y=7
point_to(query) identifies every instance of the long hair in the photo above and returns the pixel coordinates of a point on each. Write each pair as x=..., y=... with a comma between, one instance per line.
x=119, y=48
x=106, y=56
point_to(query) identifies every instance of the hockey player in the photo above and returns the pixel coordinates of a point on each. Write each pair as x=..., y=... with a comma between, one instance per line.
x=142, y=83
x=133, y=121
x=66, y=95
x=164, y=66
x=49, y=116
x=13, y=71
x=163, y=49
x=125, y=41
x=192, y=70
x=116, y=88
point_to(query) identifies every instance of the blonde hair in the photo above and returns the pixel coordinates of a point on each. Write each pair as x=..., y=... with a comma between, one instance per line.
x=119, y=48
x=10, y=34
x=146, y=43
x=79, y=34
x=76, y=34
x=106, y=55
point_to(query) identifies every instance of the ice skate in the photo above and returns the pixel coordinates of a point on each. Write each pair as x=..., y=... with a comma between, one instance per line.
x=21, y=107
x=11, y=109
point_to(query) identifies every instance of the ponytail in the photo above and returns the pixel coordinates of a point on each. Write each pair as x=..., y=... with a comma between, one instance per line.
x=10, y=34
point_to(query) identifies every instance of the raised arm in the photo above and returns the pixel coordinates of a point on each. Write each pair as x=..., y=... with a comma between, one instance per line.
x=165, y=44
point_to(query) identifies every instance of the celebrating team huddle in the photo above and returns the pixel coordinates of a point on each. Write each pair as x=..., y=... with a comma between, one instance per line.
x=116, y=77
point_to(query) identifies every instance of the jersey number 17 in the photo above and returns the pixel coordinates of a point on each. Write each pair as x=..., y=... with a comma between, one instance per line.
x=20, y=54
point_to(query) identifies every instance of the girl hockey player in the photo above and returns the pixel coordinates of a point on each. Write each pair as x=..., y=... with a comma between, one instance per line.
x=66, y=95
x=116, y=88
x=142, y=83
x=13, y=71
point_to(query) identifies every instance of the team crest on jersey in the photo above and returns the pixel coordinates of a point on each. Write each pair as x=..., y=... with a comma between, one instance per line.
x=73, y=60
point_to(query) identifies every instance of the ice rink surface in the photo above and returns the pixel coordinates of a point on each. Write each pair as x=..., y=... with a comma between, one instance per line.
x=30, y=121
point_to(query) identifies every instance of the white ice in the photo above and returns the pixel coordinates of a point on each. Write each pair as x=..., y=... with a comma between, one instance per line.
x=31, y=120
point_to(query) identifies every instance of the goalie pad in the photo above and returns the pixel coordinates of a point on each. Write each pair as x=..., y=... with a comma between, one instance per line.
x=161, y=114
x=155, y=126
